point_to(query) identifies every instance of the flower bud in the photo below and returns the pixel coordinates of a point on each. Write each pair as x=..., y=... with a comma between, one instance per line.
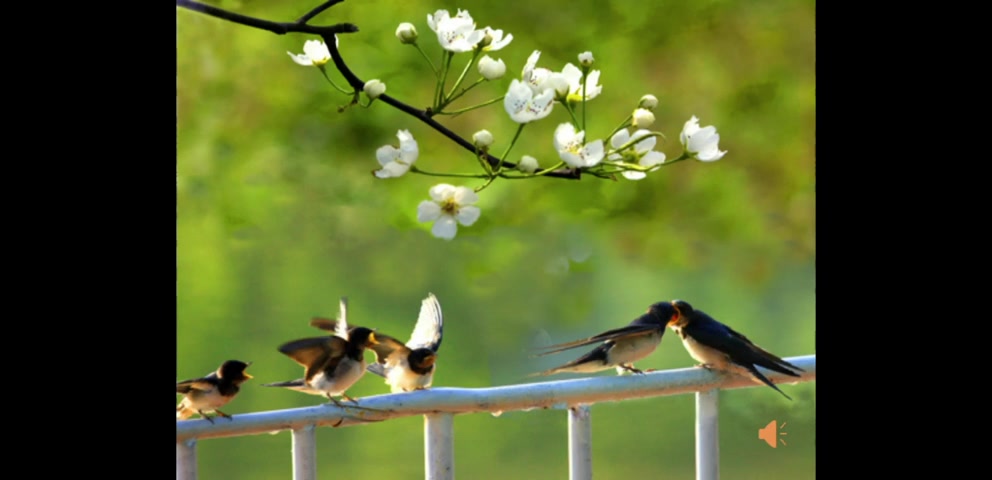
x=585, y=59
x=491, y=69
x=648, y=101
x=643, y=118
x=373, y=88
x=482, y=138
x=527, y=164
x=407, y=33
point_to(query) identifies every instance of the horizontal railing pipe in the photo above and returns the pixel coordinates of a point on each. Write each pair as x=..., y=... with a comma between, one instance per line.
x=556, y=394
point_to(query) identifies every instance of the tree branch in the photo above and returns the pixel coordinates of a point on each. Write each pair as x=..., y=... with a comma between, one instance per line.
x=278, y=28
x=327, y=33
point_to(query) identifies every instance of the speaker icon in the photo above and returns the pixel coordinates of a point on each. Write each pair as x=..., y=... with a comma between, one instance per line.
x=769, y=434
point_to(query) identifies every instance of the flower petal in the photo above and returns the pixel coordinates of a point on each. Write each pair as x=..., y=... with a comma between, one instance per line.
x=442, y=192
x=392, y=170
x=445, y=227
x=468, y=215
x=386, y=154
x=465, y=196
x=633, y=175
x=301, y=59
x=428, y=211
x=620, y=138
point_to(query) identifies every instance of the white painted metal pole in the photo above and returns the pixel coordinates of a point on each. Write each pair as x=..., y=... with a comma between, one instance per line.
x=579, y=443
x=556, y=394
x=305, y=453
x=707, y=435
x=439, y=446
x=186, y=460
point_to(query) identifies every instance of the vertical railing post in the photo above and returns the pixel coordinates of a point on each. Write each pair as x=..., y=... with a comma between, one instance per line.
x=707, y=435
x=186, y=460
x=439, y=446
x=305, y=453
x=579, y=443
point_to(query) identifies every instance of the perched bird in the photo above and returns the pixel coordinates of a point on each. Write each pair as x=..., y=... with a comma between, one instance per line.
x=621, y=346
x=719, y=347
x=406, y=367
x=209, y=393
x=331, y=364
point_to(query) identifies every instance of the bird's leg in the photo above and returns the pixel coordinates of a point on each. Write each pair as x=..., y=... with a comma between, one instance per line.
x=630, y=368
x=224, y=415
x=352, y=400
x=205, y=416
x=336, y=402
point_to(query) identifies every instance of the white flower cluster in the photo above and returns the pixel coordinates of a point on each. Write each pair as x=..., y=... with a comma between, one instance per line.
x=631, y=151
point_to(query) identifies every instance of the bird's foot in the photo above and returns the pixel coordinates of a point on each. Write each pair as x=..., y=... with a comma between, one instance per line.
x=203, y=415
x=708, y=366
x=630, y=368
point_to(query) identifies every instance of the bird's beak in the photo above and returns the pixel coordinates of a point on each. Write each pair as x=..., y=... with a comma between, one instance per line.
x=675, y=318
x=372, y=339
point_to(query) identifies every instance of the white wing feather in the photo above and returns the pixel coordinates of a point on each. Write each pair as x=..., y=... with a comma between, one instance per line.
x=429, y=328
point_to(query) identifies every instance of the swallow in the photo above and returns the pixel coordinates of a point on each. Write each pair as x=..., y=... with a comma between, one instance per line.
x=331, y=364
x=719, y=347
x=411, y=366
x=621, y=347
x=209, y=393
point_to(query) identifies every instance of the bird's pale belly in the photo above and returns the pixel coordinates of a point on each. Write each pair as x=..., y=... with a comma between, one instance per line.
x=401, y=379
x=630, y=350
x=345, y=375
x=207, y=401
x=704, y=354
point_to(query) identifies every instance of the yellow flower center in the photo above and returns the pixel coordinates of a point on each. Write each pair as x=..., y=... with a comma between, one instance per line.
x=449, y=206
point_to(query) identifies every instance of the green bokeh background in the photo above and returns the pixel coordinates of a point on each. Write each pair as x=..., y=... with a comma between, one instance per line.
x=278, y=216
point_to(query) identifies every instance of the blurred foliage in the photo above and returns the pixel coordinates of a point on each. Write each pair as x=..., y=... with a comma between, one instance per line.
x=278, y=216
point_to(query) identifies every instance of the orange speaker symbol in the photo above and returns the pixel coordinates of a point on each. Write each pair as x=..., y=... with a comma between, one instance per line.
x=769, y=434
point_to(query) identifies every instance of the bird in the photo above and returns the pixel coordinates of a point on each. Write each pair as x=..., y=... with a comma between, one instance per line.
x=411, y=366
x=621, y=347
x=210, y=392
x=331, y=364
x=720, y=347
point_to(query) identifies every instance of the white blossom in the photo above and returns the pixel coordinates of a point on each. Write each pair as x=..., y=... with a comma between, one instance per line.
x=397, y=161
x=491, y=69
x=315, y=54
x=455, y=34
x=569, y=145
x=524, y=105
x=574, y=77
x=642, y=153
x=448, y=206
x=493, y=40
x=701, y=143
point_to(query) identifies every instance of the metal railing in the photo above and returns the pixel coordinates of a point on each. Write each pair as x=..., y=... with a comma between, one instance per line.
x=439, y=405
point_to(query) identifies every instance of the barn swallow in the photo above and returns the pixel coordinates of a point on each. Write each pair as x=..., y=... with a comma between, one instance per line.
x=331, y=364
x=406, y=367
x=719, y=347
x=621, y=346
x=209, y=393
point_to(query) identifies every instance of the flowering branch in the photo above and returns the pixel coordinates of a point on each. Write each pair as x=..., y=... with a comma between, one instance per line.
x=328, y=33
x=628, y=150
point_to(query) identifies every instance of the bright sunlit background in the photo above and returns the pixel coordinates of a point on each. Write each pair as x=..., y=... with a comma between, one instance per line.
x=278, y=216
